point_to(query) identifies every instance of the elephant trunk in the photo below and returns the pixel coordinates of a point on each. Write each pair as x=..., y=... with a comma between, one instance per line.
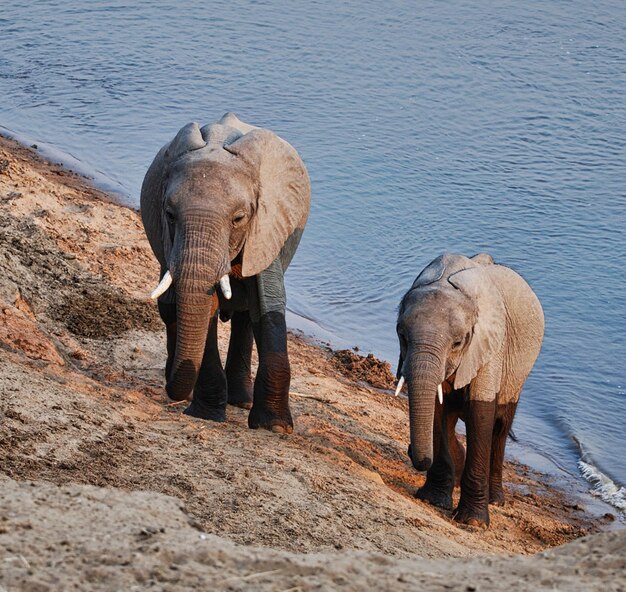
x=202, y=262
x=424, y=373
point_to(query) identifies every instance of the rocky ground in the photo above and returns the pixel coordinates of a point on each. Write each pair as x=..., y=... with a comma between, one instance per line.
x=105, y=485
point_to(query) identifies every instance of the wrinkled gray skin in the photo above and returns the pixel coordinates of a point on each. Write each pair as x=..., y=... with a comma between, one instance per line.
x=227, y=198
x=476, y=327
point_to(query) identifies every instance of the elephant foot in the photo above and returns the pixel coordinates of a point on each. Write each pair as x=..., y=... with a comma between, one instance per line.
x=477, y=518
x=176, y=397
x=435, y=497
x=200, y=411
x=280, y=423
x=240, y=396
x=496, y=497
x=241, y=404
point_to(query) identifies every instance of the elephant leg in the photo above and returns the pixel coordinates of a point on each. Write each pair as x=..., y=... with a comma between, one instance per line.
x=501, y=429
x=457, y=450
x=167, y=313
x=473, y=508
x=440, y=477
x=270, y=408
x=267, y=301
x=456, y=400
x=210, y=392
x=238, y=361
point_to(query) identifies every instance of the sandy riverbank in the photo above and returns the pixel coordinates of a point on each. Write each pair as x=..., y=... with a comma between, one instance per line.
x=90, y=447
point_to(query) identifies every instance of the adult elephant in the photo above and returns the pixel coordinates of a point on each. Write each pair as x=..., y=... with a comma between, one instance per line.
x=470, y=332
x=224, y=207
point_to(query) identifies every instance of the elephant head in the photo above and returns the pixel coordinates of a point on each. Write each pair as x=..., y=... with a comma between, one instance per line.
x=212, y=195
x=451, y=323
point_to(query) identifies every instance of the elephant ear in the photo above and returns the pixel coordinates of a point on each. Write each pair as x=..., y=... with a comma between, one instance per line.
x=444, y=265
x=231, y=120
x=151, y=204
x=187, y=139
x=490, y=327
x=432, y=273
x=284, y=196
x=483, y=259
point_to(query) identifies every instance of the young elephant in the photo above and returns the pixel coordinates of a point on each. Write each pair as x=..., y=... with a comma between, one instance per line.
x=470, y=332
x=226, y=205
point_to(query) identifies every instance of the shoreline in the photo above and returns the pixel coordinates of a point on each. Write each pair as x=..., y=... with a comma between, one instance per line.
x=83, y=406
x=111, y=190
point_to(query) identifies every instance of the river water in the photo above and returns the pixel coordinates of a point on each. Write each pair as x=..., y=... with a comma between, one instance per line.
x=426, y=127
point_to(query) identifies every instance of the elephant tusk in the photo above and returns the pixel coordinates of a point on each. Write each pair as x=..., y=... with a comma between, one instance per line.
x=225, y=286
x=440, y=394
x=165, y=283
x=400, y=385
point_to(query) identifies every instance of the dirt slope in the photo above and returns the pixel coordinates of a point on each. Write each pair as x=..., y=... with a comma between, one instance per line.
x=146, y=542
x=81, y=402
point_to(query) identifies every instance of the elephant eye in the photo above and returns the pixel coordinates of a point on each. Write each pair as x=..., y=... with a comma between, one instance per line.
x=169, y=215
x=238, y=218
x=457, y=344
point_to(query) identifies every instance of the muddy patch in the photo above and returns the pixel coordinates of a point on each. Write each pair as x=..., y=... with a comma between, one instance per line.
x=102, y=312
x=43, y=279
x=365, y=368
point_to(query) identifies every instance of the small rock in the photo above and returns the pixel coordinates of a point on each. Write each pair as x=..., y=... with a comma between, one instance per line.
x=148, y=531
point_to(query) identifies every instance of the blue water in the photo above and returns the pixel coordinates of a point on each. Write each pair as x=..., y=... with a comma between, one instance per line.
x=425, y=126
